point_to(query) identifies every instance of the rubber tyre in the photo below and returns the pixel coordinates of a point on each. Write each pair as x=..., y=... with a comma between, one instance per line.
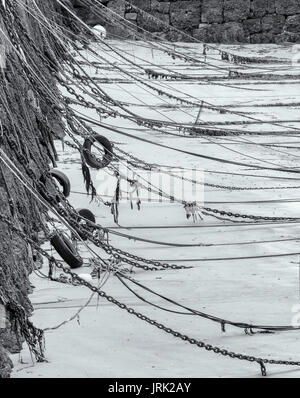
x=88, y=215
x=108, y=152
x=63, y=180
x=66, y=250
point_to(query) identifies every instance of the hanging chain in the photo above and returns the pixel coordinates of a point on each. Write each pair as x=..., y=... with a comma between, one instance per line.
x=217, y=350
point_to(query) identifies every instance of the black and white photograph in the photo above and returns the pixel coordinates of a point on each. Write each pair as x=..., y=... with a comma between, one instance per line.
x=149, y=192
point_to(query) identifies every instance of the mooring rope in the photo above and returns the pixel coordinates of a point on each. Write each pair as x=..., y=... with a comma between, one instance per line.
x=261, y=361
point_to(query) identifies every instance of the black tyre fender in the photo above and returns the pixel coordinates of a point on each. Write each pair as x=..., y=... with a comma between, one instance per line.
x=48, y=191
x=88, y=215
x=66, y=250
x=63, y=180
x=108, y=152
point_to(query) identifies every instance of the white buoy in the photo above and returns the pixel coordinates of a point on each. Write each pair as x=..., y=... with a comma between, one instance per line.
x=99, y=30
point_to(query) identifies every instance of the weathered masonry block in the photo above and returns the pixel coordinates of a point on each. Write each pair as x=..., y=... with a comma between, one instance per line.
x=227, y=21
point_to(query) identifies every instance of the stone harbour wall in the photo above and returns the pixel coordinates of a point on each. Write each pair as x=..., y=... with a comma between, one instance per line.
x=216, y=21
x=17, y=259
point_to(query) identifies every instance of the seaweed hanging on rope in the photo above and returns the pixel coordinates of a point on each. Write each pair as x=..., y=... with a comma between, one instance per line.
x=116, y=200
x=243, y=60
x=200, y=344
x=100, y=10
x=21, y=325
x=89, y=186
x=211, y=107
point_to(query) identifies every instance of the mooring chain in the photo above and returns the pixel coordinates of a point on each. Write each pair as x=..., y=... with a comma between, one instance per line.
x=149, y=123
x=161, y=92
x=223, y=212
x=111, y=250
x=139, y=163
x=49, y=63
x=96, y=91
x=121, y=305
x=72, y=91
x=54, y=73
x=215, y=349
x=214, y=211
x=26, y=67
x=116, y=253
x=224, y=322
x=251, y=217
x=83, y=102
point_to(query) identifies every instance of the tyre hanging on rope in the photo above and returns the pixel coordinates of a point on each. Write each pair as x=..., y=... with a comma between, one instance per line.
x=66, y=250
x=49, y=188
x=90, y=159
x=88, y=215
x=63, y=180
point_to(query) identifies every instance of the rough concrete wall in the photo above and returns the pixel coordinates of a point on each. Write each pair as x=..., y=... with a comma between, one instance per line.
x=16, y=257
x=224, y=21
